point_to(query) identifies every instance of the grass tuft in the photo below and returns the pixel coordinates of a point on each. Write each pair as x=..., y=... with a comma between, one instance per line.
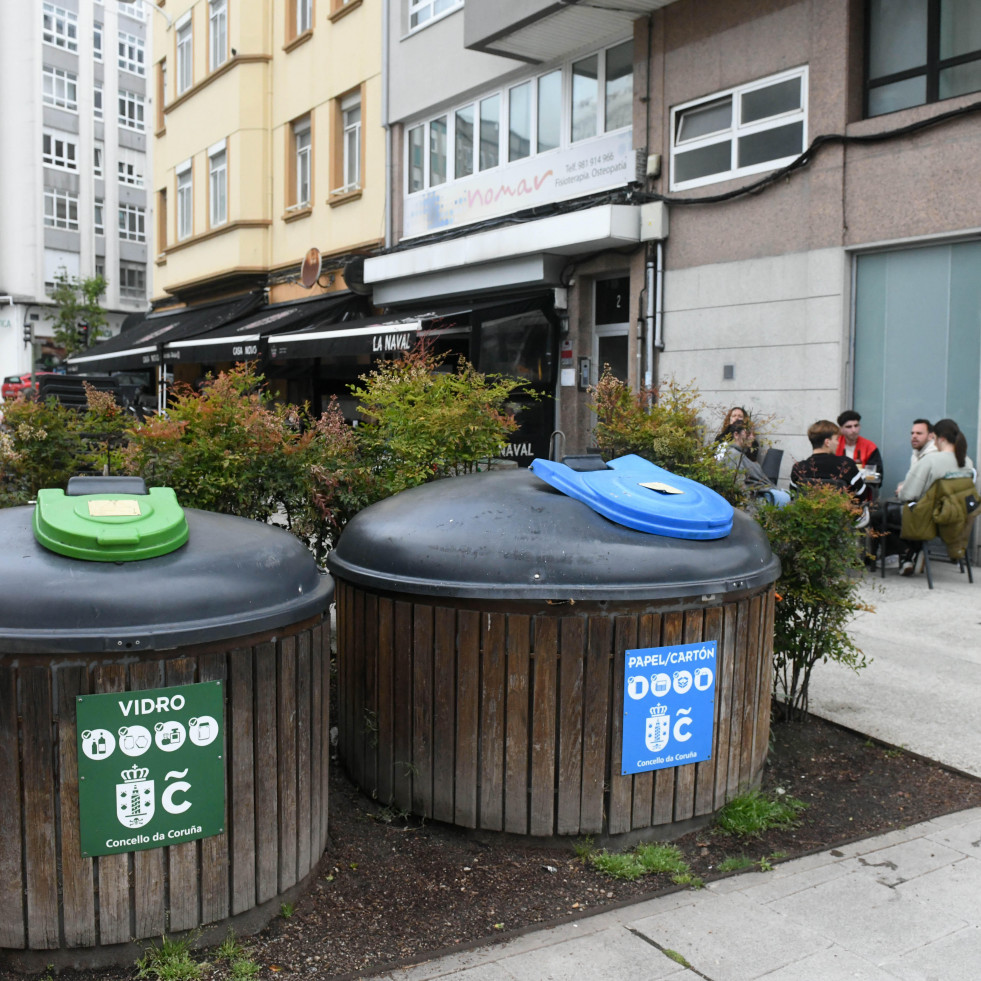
x=171, y=961
x=752, y=813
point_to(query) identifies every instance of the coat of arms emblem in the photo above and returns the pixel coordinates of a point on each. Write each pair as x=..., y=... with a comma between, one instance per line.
x=658, y=729
x=134, y=797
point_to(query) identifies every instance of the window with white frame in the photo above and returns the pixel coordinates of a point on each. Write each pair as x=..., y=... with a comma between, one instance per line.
x=59, y=150
x=131, y=9
x=304, y=15
x=423, y=12
x=130, y=167
x=185, y=66
x=97, y=158
x=59, y=27
x=577, y=101
x=97, y=33
x=60, y=209
x=131, y=108
x=217, y=185
x=132, y=223
x=185, y=201
x=97, y=112
x=60, y=89
x=920, y=52
x=302, y=153
x=132, y=54
x=132, y=280
x=98, y=217
x=746, y=130
x=351, y=137
x=217, y=32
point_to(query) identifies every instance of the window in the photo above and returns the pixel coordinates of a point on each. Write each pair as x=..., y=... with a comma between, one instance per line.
x=130, y=167
x=131, y=110
x=97, y=160
x=423, y=12
x=217, y=32
x=97, y=112
x=98, y=217
x=581, y=100
x=185, y=202
x=921, y=51
x=132, y=54
x=747, y=130
x=300, y=191
x=59, y=150
x=132, y=9
x=345, y=163
x=60, y=89
x=218, y=185
x=132, y=280
x=132, y=223
x=60, y=209
x=97, y=41
x=59, y=27
x=304, y=16
x=185, y=67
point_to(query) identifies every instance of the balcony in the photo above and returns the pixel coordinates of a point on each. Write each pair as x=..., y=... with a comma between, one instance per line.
x=539, y=31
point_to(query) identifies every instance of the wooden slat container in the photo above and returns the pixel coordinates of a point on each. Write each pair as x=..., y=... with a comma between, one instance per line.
x=486, y=704
x=267, y=640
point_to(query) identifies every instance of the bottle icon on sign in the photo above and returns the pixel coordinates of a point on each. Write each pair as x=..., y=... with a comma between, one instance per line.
x=97, y=744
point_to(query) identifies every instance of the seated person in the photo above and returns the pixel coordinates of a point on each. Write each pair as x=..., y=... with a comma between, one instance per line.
x=825, y=466
x=855, y=446
x=738, y=414
x=949, y=460
x=737, y=438
x=922, y=441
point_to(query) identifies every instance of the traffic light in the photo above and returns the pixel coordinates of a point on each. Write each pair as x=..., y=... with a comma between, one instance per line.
x=28, y=332
x=83, y=334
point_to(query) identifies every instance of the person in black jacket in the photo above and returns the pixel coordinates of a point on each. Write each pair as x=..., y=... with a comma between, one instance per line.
x=824, y=466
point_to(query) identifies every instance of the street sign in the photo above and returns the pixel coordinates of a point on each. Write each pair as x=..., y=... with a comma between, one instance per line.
x=668, y=706
x=151, y=768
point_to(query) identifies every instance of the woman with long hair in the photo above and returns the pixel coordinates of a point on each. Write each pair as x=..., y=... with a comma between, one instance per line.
x=738, y=414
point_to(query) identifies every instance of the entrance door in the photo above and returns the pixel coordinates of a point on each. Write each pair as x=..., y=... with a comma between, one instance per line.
x=612, y=324
x=917, y=346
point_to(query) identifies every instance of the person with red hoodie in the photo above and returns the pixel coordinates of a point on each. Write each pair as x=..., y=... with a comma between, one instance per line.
x=855, y=446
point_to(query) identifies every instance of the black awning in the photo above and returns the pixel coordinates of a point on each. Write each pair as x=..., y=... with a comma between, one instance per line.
x=141, y=346
x=245, y=338
x=370, y=335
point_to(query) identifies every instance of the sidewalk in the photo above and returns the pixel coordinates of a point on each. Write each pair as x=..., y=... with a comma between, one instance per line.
x=904, y=905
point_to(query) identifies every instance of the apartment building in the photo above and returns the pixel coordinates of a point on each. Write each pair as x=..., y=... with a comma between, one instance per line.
x=800, y=232
x=75, y=179
x=269, y=149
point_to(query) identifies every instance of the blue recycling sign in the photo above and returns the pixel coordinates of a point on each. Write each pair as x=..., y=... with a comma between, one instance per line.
x=668, y=706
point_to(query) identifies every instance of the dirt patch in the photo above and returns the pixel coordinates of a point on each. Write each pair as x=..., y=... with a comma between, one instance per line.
x=391, y=890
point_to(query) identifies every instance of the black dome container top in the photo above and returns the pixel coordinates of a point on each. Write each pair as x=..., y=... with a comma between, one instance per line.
x=234, y=577
x=508, y=535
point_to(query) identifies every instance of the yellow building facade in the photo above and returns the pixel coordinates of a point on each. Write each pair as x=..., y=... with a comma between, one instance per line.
x=268, y=143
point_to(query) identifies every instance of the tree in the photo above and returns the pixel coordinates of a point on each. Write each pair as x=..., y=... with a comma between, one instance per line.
x=78, y=316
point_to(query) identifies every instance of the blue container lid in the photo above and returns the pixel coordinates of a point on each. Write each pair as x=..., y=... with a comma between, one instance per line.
x=637, y=494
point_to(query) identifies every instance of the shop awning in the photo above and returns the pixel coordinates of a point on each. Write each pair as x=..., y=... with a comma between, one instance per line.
x=142, y=346
x=246, y=338
x=372, y=335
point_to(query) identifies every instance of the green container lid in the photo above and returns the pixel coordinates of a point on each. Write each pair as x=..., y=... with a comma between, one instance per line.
x=110, y=526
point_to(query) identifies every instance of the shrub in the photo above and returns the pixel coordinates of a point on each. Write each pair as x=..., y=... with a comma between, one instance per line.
x=661, y=426
x=815, y=538
x=423, y=421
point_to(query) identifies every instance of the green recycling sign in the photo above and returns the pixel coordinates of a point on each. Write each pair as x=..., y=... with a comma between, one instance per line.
x=151, y=768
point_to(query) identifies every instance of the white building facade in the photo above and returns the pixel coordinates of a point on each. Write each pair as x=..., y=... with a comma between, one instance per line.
x=74, y=104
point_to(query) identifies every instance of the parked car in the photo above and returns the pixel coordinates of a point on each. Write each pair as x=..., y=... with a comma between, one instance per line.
x=13, y=385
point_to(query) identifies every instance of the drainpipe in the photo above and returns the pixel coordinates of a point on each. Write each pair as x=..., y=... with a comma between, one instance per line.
x=386, y=42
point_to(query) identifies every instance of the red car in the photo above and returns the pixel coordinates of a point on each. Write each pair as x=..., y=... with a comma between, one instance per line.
x=13, y=384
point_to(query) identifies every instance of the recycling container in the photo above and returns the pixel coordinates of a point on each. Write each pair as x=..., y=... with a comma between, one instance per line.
x=483, y=630
x=164, y=731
